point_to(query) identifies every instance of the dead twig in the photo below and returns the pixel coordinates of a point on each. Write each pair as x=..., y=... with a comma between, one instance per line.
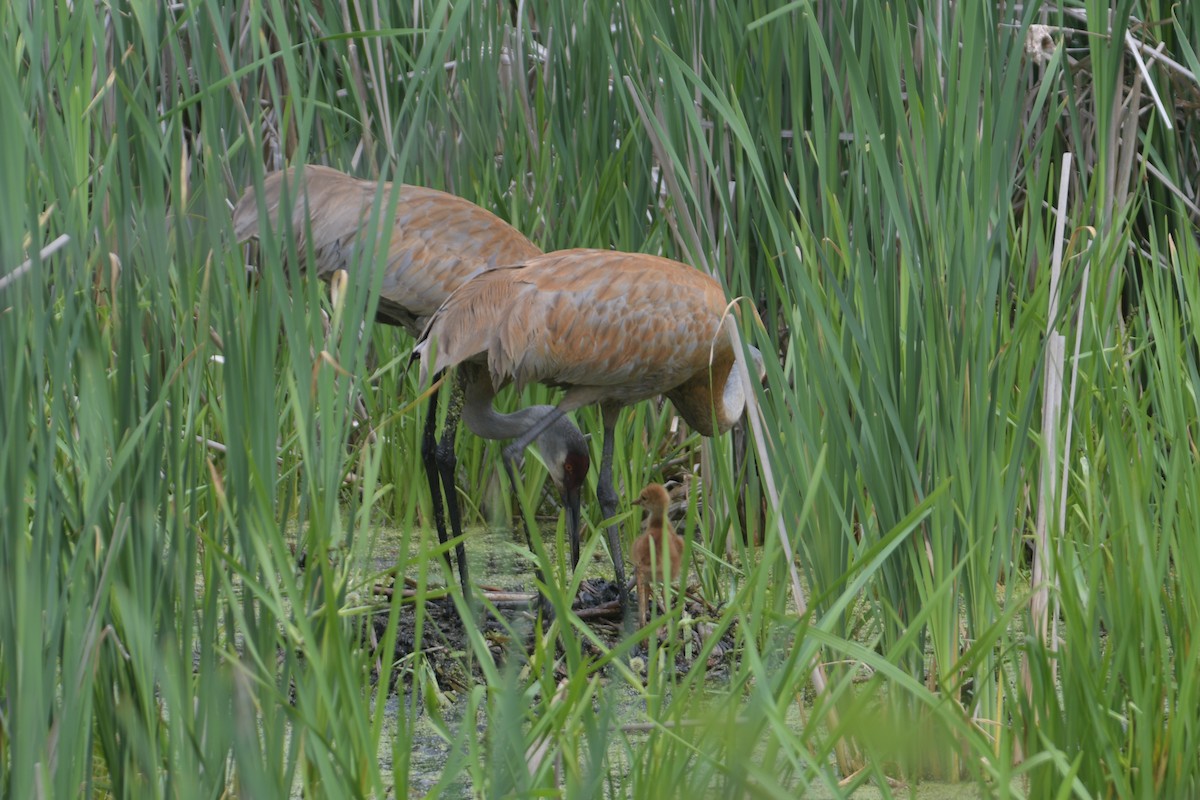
x=46, y=252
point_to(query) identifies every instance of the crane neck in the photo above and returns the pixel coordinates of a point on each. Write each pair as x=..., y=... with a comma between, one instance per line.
x=714, y=400
x=564, y=449
x=485, y=421
x=657, y=527
x=710, y=402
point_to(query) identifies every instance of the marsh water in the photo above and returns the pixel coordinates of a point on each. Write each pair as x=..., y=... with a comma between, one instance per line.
x=499, y=558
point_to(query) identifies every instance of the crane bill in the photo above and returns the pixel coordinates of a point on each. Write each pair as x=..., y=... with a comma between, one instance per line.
x=572, y=506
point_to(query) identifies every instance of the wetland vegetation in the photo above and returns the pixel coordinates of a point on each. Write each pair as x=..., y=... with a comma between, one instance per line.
x=960, y=546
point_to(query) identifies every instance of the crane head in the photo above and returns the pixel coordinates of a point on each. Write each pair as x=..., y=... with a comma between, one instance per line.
x=653, y=497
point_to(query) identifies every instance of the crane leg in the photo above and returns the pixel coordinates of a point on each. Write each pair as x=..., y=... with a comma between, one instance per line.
x=447, y=464
x=440, y=464
x=607, y=495
x=510, y=468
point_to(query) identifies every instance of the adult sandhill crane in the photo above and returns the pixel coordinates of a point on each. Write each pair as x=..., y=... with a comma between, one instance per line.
x=612, y=328
x=658, y=552
x=437, y=241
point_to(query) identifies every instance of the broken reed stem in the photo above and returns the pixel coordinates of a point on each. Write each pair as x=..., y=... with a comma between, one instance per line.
x=1043, y=556
x=46, y=252
x=843, y=749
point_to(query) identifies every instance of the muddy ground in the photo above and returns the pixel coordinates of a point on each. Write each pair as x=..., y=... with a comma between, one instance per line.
x=499, y=567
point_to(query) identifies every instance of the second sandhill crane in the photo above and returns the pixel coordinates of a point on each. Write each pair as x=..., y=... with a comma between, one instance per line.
x=435, y=243
x=611, y=328
x=658, y=552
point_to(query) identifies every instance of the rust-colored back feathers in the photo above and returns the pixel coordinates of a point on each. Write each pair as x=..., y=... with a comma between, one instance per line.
x=612, y=327
x=437, y=240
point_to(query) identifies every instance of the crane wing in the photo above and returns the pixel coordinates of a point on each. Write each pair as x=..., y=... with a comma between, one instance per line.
x=436, y=242
x=616, y=326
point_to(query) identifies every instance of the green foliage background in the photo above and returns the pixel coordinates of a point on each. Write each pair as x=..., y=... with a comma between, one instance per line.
x=887, y=183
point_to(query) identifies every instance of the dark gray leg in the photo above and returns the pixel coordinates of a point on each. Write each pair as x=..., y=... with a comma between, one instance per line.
x=447, y=463
x=510, y=469
x=440, y=464
x=738, y=434
x=607, y=495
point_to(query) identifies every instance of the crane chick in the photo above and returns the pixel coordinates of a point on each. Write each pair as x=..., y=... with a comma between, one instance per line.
x=658, y=549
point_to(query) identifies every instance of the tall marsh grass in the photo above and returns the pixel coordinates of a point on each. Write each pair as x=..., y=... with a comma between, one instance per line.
x=971, y=242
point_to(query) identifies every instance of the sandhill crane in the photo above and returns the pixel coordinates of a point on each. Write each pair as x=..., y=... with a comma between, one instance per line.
x=437, y=242
x=612, y=328
x=658, y=552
